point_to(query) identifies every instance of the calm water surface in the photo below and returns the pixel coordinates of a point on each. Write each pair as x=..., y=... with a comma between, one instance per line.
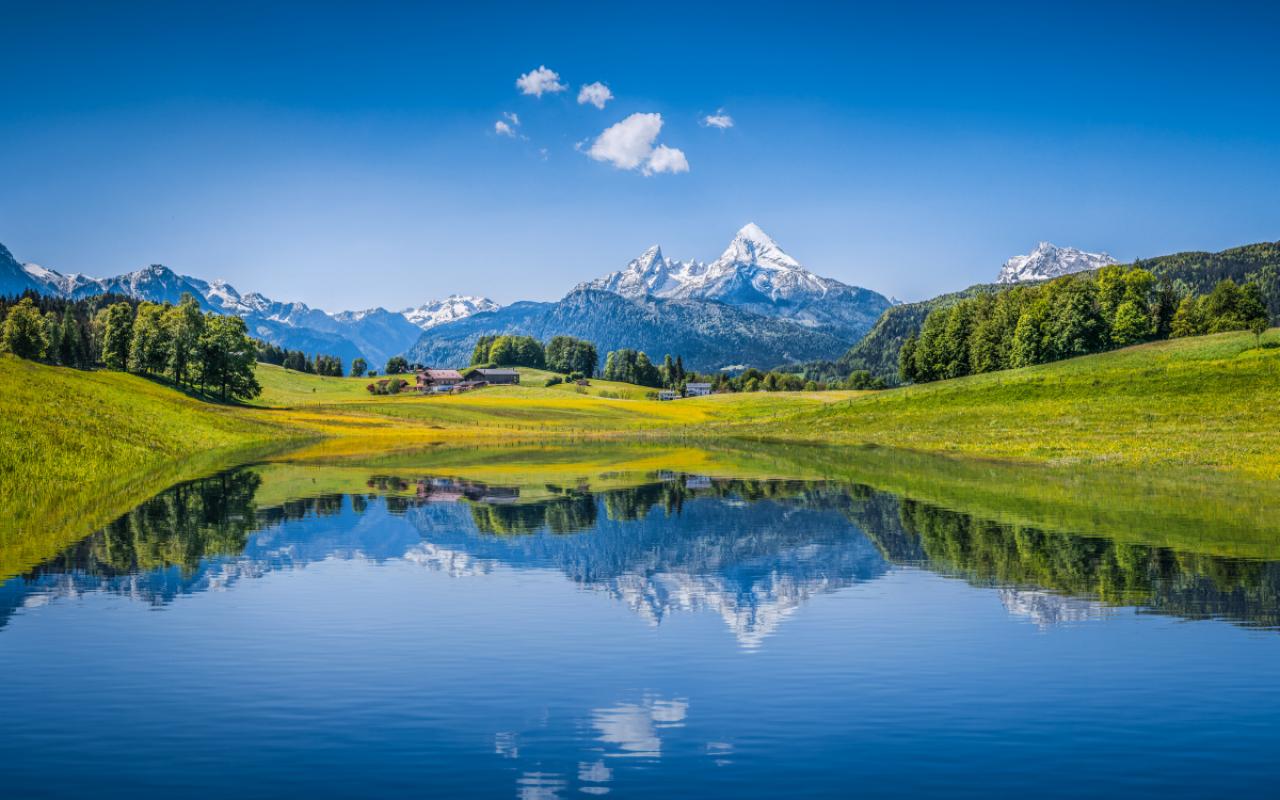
x=681, y=637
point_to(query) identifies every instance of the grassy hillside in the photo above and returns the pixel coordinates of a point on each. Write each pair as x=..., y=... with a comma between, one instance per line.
x=75, y=446
x=1204, y=402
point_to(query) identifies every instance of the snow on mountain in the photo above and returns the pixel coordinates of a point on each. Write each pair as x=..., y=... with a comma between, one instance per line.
x=374, y=334
x=650, y=275
x=754, y=267
x=14, y=280
x=752, y=273
x=1050, y=261
x=454, y=307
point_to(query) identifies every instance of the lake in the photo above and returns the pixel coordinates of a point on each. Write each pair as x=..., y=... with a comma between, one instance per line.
x=511, y=624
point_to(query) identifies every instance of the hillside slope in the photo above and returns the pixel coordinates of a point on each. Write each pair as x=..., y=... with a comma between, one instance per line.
x=1200, y=402
x=76, y=446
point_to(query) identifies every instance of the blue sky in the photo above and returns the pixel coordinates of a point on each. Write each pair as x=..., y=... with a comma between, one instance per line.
x=346, y=154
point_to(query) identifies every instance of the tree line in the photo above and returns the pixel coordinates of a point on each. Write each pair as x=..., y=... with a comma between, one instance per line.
x=1071, y=316
x=299, y=361
x=564, y=354
x=635, y=367
x=196, y=349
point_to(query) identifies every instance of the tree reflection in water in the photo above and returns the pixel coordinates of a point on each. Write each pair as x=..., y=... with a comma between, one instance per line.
x=752, y=551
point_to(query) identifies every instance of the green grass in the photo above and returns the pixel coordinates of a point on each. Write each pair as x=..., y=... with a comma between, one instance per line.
x=283, y=388
x=1206, y=402
x=76, y=447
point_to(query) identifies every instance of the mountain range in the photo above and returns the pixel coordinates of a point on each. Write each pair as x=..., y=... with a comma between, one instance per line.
x=754, y=305
x=374, y=334
x=753, y=274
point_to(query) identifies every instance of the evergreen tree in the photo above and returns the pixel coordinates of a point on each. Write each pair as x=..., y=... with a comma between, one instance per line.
x=907, y=360
x=358, y=367
x=52, y=336
x=71, y=345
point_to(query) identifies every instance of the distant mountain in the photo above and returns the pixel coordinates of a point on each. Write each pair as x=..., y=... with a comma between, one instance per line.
x=451, y=309
x=754, y=274
x=14, y=279
x=708, y=335
x=373, y=334
x=1050, y=261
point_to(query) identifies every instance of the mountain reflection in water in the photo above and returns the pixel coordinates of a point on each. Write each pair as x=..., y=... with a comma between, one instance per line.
x=750, y=551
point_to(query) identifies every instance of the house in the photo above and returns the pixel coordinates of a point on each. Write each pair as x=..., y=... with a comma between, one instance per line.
x=697, y=389
x=668, y=394
x=435, y=379
x=499, y=376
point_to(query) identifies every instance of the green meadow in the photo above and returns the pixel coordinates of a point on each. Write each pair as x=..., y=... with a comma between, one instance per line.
x=1198, y=403
x=79, y=447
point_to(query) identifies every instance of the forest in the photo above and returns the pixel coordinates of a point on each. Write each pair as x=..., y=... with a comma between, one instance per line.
x=1071, y=316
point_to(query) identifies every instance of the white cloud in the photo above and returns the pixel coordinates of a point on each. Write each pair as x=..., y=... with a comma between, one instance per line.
x=630, y=145
x=539, y=82
x=597, y=94
x=719, y=120
x=508, y=125
x=627, y=144
x=666, y=159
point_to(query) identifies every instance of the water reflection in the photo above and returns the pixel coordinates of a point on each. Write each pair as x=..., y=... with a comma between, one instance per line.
x=752, y=552
x=632, y=729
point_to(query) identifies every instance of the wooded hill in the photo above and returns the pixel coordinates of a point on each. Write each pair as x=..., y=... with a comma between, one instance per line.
x=1186, y=273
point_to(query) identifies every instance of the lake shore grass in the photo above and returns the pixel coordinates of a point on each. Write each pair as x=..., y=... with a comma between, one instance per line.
x=77, y=447
x=1205, y=403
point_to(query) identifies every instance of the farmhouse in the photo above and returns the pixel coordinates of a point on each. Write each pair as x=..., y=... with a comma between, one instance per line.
x=668, y=394
x=697, y=389
x=499, y=376
x=436, y=380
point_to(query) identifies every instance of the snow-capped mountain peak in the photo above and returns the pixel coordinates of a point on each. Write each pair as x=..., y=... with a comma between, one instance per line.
x=650, y=275
x=751, y=245
x=1048, y=260
x=453, y=307
x=752, y=273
